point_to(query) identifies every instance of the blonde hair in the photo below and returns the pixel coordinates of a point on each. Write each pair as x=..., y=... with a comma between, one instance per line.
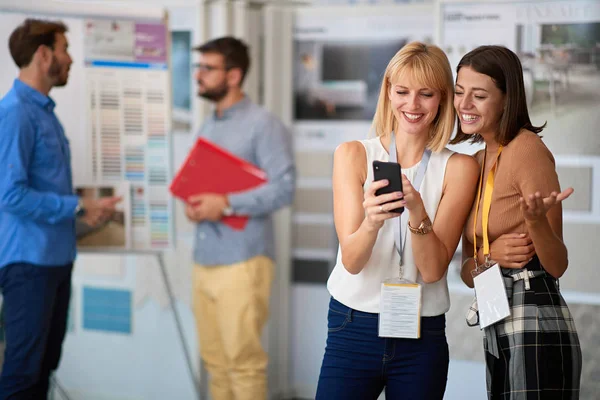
x=429, y=66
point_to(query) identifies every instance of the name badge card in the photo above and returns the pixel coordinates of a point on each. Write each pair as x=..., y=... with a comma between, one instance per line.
x=491, y=296
x=400, y=309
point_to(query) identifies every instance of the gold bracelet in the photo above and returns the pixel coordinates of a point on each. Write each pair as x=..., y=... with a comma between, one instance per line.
x=424, y=228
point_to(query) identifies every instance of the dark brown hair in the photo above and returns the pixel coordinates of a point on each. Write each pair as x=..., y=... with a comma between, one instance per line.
x=234, y=52
x=504, y=67
x=29, y=36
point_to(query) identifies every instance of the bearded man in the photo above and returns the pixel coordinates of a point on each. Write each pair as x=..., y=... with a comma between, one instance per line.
x=38, y=209
x=234, y=269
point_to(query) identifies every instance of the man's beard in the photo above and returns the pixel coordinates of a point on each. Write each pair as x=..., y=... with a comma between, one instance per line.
x=54, y=72
x=216, y=94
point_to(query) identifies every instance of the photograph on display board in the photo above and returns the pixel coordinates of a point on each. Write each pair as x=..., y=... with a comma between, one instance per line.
x=561, y=70
x=109, y=40
x=558, y=43
x=340, y=80
x=181, y=67
x=112, y=233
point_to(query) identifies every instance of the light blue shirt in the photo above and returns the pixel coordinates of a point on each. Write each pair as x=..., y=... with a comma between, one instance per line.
x=252, y=133
x=37, y=204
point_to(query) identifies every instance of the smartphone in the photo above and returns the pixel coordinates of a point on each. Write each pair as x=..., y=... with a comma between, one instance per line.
x=392, y=172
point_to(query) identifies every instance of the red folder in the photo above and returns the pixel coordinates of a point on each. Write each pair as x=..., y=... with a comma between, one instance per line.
x=209, y=168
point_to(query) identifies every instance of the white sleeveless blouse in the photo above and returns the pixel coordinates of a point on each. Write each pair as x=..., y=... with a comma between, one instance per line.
x=362, y=291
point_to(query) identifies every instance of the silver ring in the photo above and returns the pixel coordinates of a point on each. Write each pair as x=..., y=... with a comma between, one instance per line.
x=381, y=210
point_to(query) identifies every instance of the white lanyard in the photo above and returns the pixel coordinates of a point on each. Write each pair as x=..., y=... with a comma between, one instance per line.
x=402, y=224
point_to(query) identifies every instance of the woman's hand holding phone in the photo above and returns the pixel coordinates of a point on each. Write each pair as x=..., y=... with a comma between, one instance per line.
x=377, y=208
x=412, y=198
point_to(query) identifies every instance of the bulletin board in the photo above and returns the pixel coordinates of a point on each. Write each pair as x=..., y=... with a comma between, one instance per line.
x=116, y=112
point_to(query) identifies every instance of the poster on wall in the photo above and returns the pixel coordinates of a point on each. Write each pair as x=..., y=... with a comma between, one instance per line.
x=340, y=80
x=129, y=105
x=181, y=73
x=364, y=2
x=558, y=43
x=339, y=62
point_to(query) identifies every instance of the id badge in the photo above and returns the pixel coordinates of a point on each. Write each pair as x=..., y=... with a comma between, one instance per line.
x=492, y=301
x=400, y=309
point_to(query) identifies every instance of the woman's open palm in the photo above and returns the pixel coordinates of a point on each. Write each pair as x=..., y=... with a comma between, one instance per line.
x=535, y=206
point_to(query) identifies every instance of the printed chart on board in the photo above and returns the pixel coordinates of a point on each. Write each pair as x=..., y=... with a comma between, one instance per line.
x=128, y=104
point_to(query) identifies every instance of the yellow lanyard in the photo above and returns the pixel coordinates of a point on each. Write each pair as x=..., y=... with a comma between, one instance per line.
x=487, y=203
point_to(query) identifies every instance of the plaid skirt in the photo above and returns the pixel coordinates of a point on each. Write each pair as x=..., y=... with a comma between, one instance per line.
x=537, y=347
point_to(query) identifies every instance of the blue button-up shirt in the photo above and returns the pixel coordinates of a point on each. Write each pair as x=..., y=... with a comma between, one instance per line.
x=252, y=133
x=37, y=203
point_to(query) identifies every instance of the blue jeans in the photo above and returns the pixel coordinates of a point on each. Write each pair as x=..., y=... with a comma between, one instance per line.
x=358, y=364
x=36, y=304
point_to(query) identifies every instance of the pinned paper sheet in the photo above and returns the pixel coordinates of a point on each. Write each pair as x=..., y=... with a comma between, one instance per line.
x=106, y=309
x=100, y=265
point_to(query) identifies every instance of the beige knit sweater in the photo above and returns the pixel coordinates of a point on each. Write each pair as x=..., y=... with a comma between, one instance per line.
x=525, y=166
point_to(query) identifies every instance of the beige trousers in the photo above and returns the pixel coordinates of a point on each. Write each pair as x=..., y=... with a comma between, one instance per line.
x=231, y=305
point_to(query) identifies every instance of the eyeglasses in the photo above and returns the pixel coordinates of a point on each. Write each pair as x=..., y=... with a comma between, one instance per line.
x=208, y=68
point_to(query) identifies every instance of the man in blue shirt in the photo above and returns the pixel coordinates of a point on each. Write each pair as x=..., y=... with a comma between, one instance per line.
x=37, y=212
x=234, y=269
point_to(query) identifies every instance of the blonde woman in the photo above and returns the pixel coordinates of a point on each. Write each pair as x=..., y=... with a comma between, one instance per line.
x=413, y=124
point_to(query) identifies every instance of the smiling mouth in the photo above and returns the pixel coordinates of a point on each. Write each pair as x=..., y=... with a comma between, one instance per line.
x=412, y=118
x=469, y=118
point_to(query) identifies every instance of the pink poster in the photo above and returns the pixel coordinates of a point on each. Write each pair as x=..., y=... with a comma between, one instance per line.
x=150, y=43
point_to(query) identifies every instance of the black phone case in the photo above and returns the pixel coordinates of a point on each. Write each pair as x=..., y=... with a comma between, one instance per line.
x=392, y=172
